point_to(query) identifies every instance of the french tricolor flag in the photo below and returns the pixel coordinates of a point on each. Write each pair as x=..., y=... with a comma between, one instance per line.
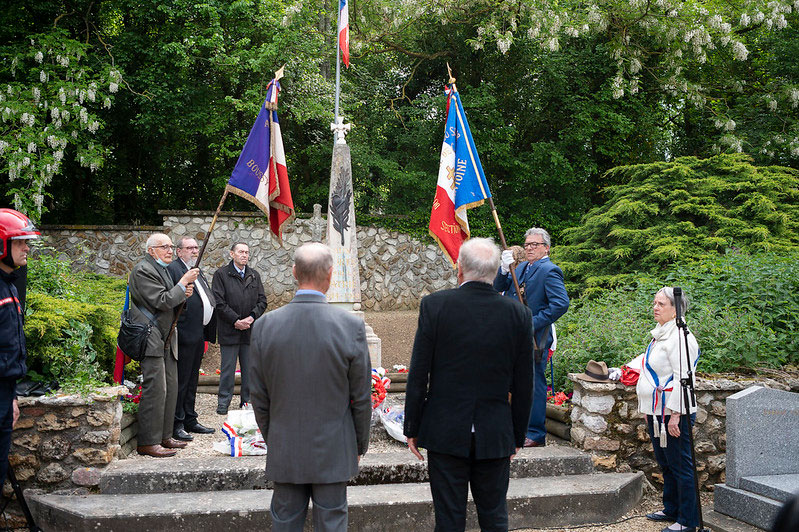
x=461, y=182
x=344, y=31
x=260, y=175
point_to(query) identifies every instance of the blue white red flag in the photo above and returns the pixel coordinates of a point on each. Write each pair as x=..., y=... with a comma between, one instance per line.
x=461, y=182
x=344, y=31
x=260, y=174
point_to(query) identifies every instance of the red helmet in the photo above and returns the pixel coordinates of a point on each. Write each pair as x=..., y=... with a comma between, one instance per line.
x=14, y=226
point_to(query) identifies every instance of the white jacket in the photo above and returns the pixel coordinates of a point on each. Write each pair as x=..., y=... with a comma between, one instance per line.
x=665, y=356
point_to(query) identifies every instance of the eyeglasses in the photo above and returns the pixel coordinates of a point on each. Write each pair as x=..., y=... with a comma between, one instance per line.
x=165, y=247
x=533, y=245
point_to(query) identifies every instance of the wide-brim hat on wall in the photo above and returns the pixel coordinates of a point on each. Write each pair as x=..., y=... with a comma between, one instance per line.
x=595, y=372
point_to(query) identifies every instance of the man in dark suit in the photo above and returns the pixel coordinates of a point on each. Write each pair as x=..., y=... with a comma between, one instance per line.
x=310, y=389
x=545, y=294
x=240, y=300
x=473, y=347
x=196, y=325
x=153, y=297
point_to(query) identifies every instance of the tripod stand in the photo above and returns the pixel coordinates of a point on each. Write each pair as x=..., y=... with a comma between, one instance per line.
x=688, y=397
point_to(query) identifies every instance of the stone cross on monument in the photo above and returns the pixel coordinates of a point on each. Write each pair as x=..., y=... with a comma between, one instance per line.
x=345, y=287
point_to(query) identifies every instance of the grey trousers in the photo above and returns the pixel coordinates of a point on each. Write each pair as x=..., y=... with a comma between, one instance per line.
x=290, y=504
x=159, y=395
x=227, y=378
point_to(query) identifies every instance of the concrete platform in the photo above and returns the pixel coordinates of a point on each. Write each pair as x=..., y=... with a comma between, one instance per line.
x=723, y=523
x=247, y=472
x=532, y=502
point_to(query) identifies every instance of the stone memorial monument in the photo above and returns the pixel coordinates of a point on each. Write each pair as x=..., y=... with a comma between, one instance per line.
x=345, y=287
x=762, y=455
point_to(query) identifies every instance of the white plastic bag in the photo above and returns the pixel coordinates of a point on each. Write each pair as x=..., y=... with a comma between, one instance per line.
x=243, y=435
x=393, y=418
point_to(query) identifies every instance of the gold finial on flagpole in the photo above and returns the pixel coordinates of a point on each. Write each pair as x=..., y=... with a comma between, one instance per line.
x=451, y=79
x=279, y=73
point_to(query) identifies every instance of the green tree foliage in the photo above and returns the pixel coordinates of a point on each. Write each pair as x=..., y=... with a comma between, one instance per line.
x=71, y=322
x=677, y=213
x=744, y=312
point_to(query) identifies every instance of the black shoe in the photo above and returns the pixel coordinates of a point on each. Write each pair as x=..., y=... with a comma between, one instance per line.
x=655, y=516
x=182, y=435
x=221, y=410
x=667, y=529
x=198, y=428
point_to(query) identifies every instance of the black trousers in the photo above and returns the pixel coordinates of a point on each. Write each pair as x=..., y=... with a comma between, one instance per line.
x=190, y=356
x=450, y=479
x=7, y=394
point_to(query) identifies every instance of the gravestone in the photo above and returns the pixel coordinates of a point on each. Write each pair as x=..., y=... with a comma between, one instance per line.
x=762, y=455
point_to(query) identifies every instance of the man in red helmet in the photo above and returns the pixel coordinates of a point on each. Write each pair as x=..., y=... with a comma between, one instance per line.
x=15, y=231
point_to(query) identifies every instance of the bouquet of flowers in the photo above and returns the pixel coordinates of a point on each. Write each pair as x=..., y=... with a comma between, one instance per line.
x=380, y=383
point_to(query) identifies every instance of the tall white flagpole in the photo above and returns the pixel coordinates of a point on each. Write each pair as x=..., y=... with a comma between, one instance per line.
x=338, y=69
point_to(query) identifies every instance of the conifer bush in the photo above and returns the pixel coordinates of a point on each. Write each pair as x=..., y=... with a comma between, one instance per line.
x=680, y=212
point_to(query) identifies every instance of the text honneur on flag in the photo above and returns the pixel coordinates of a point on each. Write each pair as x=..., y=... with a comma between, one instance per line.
x=260, y=175
x=461, y=182
x=344, y=31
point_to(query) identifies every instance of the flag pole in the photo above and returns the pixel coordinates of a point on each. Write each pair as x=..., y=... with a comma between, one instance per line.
x=493, y=210
x=338, y=76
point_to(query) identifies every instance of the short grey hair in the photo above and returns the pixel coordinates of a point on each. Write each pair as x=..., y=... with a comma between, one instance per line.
x=182, y=241
x=479, y=259
x=154, y=238
x=541, y=232
x=668, y=291
x=312, y=262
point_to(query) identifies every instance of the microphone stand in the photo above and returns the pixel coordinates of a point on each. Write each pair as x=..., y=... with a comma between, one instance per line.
x=688, y=398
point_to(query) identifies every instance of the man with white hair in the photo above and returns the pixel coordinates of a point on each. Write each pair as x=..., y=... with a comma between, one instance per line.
x=310, y=389
x=153, y=297
x=468, y=392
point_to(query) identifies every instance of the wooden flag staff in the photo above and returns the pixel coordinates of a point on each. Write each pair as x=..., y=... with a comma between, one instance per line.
x=494, y=212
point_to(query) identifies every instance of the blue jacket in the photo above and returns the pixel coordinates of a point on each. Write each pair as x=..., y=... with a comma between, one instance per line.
x=545, y=292
x=12, y=336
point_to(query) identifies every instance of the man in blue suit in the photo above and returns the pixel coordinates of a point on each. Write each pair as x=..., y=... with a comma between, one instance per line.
x=541, y=282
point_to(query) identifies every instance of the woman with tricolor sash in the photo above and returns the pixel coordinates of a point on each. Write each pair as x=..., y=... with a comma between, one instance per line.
x=660, y=398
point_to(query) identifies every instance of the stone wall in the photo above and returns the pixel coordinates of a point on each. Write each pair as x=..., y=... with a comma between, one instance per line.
x=59, y=441
x=396, y=270
x=606, y=422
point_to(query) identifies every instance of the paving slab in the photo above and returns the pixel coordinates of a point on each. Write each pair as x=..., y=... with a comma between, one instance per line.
x=723, y=523
x=247, y=472
x=532, y=502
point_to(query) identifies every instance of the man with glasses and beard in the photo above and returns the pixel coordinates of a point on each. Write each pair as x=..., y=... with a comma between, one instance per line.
x=196, y=325
x=541, y=282
x=154, y=297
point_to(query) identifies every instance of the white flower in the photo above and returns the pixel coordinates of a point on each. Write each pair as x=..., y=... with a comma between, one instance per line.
x=729, y=125
x=58, y=155
x=739, y=51
x=635, y=65
x=107, y=103
x=54, y=114
x=3, y=146
x=772, y=103
x=81, y=96
x=31, y=147
x=84, y=115
x=553, y=44
x=744, y=20
x=65, y=116
x=39, y=57
x=113, y=87
x=62, y=95
x=36, y=94
x=93, y=126
x=63, y=61
x=26, y=161
x=794, y=95
x=42, y=76
x=75, y=134
x=91, y=94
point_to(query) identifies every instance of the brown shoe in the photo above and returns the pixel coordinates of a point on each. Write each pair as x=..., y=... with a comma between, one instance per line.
x=532, y=443
x=155, y=450
x=172, y=443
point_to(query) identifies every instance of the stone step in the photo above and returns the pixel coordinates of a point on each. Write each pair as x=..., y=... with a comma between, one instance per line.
x=745, y=506
x=778, y=487
x=220, y=473
x=532, y=502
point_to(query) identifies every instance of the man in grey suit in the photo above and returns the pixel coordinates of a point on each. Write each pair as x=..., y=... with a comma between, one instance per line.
x=310, y=389
x=154, y=297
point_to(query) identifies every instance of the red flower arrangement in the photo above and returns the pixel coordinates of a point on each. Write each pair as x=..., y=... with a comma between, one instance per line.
x=380, y=383
x=558, y=399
